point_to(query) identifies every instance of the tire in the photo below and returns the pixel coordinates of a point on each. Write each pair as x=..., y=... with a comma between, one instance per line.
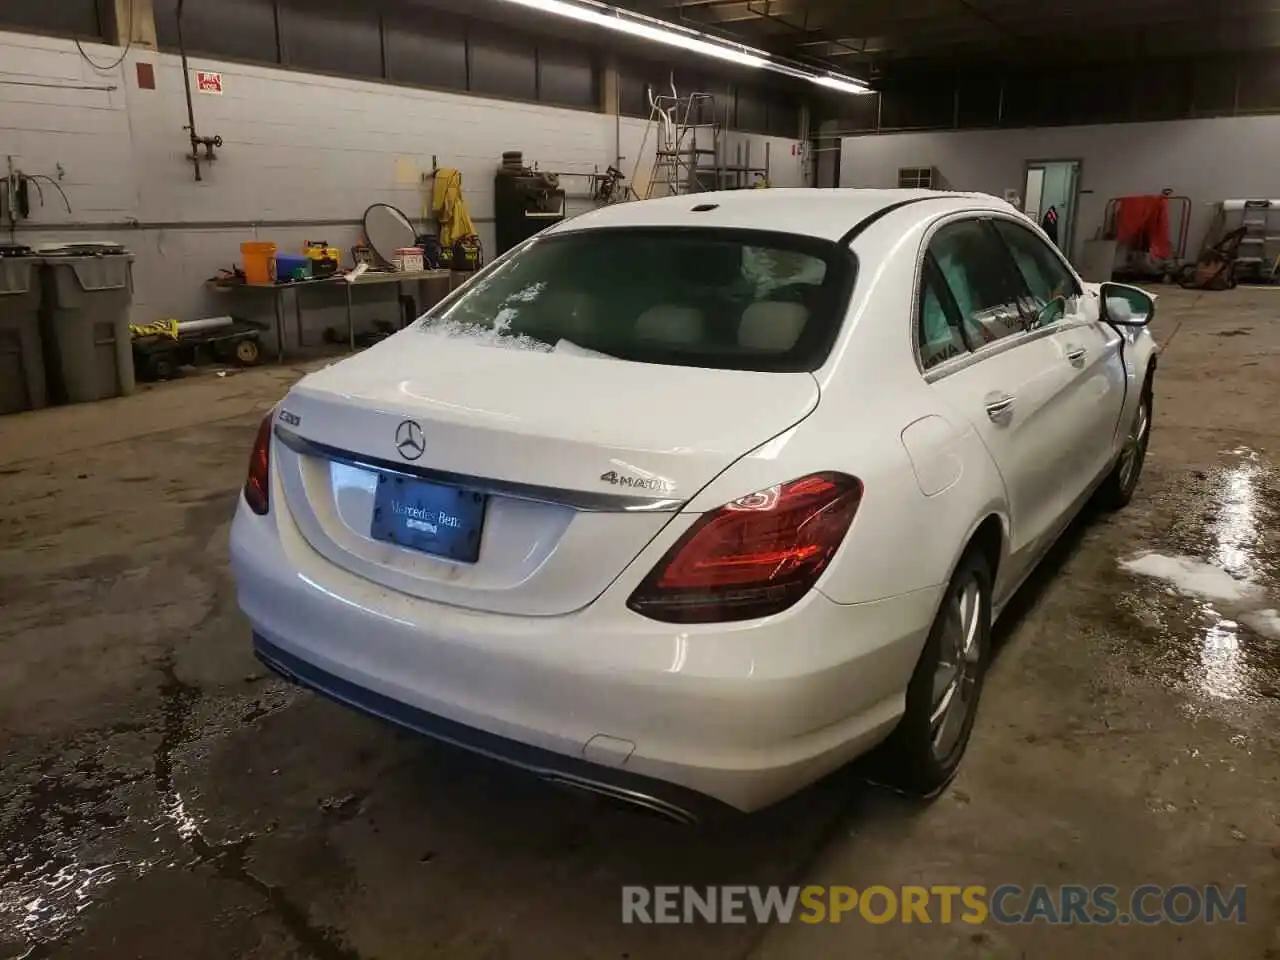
x=1118, y=489
x=163, y=367
x=247, y=353
x=924, y=752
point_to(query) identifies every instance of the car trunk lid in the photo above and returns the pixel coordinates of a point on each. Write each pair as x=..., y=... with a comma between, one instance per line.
x=581, y=460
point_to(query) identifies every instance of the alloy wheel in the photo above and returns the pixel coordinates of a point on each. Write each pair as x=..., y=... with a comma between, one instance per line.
x=1135, y=445
x=956, y=678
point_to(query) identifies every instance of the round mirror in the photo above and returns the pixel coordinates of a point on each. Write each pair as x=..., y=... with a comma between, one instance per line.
x=388, y=230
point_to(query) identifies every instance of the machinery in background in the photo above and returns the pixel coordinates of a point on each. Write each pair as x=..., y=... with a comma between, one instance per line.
x=1142, y=238
x=325, y=260
x=1218, y=264
x=1253, y=226
x=161, y=349
x=16, y=192
x=602, y=189
x=524, y=201
x=610, y=187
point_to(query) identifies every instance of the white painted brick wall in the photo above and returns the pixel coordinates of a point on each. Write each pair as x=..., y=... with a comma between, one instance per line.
x=296, y=147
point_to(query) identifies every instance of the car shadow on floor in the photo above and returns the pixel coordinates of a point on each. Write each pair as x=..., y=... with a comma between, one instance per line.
x=1042, y=577
x=865, y=785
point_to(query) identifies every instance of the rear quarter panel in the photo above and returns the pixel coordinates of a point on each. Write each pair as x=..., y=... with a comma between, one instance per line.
x=911, y=529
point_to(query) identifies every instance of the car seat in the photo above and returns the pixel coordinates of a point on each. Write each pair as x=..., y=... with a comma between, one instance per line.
x=669, y=323
x=772, y=326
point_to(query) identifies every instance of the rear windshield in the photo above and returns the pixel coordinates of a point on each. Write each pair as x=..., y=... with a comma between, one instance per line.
x=739, y=300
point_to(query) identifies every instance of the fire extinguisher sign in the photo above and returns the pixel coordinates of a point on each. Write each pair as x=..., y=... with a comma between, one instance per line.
x=207, y=82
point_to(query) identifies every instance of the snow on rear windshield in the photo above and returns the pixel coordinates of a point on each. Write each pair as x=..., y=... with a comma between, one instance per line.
x=715, y=298
x=496, y=332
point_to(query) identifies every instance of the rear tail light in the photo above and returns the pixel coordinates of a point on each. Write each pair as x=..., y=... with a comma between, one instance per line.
x=753, y=557
x=257, y=485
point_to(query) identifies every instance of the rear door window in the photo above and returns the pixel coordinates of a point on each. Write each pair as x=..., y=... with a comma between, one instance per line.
x=981, y=278
x=940, y=335
x=730, y=299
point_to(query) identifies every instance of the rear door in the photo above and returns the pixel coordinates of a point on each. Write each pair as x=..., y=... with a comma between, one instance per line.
x=1010, y=383
x=1092, y=349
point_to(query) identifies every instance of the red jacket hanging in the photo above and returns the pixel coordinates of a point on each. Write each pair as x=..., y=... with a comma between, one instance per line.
x=1143, y=224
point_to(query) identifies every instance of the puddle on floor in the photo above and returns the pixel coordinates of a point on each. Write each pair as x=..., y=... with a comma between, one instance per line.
x=58, y=851
x=106, y=810
x=1208, y=597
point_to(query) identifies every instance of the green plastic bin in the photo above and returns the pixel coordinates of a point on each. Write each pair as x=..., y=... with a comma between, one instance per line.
x=22, y=376
x=86, y=324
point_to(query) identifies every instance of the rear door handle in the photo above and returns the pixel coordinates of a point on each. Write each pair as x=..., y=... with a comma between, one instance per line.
x=1077, y=354
x=999, y=407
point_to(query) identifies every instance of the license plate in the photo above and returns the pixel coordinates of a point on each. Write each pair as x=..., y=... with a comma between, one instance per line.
x=429, y=517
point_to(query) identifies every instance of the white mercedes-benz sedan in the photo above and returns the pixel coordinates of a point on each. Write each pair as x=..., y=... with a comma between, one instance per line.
x=690, y=502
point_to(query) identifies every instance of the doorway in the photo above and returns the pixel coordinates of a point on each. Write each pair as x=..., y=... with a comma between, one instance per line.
x=1051, y=193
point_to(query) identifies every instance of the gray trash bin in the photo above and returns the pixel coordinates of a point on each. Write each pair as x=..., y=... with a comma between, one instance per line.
x=22, y=379
x=86, y=323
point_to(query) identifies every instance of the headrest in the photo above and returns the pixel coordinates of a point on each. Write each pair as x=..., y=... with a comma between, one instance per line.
x=670, y=323
x=772, y=325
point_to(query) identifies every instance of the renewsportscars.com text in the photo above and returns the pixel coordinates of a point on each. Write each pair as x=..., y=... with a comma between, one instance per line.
x=1066, y=904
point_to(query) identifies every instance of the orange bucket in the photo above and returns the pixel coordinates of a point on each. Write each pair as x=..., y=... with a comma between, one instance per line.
x=258, y=260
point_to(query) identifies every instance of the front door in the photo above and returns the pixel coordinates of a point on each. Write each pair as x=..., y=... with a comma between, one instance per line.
x=1089, y=347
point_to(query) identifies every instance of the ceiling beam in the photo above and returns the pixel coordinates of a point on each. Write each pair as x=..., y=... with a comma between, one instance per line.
x=819, y=15
x=1228, y=36
x=1048, y=23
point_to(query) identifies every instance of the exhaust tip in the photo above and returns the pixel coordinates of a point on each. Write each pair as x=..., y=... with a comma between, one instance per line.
x=288, y=676
x=629, y=800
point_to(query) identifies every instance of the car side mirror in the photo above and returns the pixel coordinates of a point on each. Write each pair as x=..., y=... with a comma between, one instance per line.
x=1126, y=306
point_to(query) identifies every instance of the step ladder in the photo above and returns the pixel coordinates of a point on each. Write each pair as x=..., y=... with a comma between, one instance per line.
x=1260, y=245
x=687, y=145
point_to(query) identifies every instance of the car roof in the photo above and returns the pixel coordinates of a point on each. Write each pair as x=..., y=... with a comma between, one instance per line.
x=805, y=211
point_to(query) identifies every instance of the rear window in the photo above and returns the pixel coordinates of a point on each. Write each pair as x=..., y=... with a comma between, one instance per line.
x=738, y=300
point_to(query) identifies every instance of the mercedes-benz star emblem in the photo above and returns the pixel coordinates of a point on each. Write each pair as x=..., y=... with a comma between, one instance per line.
x=409, y=440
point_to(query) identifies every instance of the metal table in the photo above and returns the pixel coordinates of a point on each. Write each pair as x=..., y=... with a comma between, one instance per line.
x=278, y=289
x=414, y=276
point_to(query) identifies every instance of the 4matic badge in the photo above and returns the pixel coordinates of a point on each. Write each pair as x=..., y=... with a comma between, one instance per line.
x=656, y=484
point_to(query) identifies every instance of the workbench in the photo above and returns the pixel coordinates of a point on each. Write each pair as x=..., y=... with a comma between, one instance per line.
x=370, y=278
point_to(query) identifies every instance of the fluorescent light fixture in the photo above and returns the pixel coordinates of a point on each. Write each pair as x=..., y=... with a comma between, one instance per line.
x=644, y=29
x=832, y=81
x=839, y=84
x=694, y=41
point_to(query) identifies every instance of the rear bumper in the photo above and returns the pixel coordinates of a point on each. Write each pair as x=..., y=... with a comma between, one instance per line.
x=665, y=799
x=744, y=714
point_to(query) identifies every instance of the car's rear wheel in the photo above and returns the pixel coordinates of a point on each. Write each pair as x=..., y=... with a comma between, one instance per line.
x=1117, y=490
x=924, y=752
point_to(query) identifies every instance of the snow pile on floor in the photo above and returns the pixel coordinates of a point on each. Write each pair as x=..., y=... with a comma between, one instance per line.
x=1265, y=622
x=1193, y=576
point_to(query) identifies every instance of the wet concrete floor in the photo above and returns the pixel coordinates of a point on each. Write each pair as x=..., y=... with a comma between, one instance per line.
x=160, y=797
